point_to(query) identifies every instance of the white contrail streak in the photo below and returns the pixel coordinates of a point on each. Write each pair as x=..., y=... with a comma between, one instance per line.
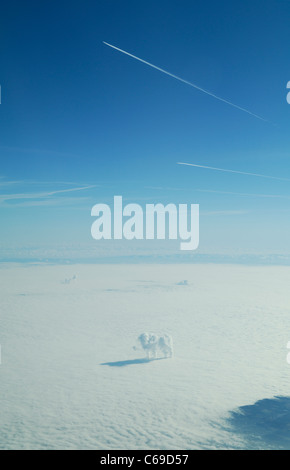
x=187, y=82
x=215, y=191
x=265, y=196
x=234, y=171
x=6, y=197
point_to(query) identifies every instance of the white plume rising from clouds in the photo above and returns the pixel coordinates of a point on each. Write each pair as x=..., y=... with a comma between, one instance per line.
x=187, y=82
x=156, y=345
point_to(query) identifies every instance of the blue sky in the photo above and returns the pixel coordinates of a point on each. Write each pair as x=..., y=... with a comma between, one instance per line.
x=76, y=114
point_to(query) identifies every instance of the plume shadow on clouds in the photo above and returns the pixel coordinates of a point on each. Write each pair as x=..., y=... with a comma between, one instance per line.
x=131, y=362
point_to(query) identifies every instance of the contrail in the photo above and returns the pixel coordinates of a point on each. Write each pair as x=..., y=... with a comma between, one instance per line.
x=6, y=197
x=187, y=82
x=265, y=196
x=234, y=171
x=216, y=191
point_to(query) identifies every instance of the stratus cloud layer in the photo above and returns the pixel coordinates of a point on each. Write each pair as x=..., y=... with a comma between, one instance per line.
x=187, y=82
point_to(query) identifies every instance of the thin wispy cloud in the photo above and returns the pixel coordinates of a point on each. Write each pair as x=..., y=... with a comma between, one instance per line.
x=225, y=212
x=8, y=183
x=49, y=183
x=39, y=151
x=187, y=82
x=234, y=171
x=49, y=202
x=232, y=193
x=44, y=198
x=164, y=188
x=216, y=191
x=63, y=183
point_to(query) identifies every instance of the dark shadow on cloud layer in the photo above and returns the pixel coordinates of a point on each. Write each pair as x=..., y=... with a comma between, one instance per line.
x=263, y=425
x=131, y=362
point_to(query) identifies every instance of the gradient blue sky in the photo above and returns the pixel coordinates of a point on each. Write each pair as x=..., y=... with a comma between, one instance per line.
x=76, y=113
